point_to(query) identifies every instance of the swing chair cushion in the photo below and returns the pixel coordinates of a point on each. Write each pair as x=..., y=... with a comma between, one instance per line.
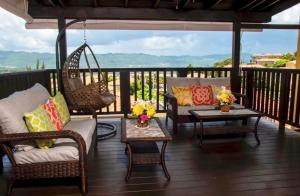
x=75, y=83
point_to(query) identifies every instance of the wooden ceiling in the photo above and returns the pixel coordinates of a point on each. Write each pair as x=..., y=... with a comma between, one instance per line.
x=180, y=10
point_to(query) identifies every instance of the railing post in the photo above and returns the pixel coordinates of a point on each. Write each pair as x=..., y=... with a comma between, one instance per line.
x=284, y=99
x=125, y=91
x=182, y=73
x=249, y=87
x=47, y=77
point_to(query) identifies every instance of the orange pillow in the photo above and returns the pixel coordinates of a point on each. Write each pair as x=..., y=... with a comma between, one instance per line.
x=53, y=114
x=202, y=95
x=183, y=95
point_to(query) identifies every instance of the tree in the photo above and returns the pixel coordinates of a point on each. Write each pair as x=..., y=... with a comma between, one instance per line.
x=289, y=57
x=37, y=64
x=190, y=66
x=43, y=66
x=28, y=68
x=223, y=63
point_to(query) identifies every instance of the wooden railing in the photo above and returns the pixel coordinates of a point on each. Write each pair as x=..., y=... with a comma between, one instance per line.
x=11, y=82
x=132, y=84
x=274, y=92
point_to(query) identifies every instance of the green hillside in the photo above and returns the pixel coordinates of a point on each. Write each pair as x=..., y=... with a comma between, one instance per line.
x=10, y=60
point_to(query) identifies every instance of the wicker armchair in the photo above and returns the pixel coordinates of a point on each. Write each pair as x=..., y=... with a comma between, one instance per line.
x=76, y=168
x=68, y=156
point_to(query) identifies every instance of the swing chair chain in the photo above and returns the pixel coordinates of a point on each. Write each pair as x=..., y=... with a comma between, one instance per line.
x=84, y=31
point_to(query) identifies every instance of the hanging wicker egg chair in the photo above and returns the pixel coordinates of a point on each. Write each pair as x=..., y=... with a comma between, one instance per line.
x=90, y=98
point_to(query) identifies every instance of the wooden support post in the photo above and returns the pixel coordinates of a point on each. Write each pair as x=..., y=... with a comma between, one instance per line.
x=249, y=87
x=236, y=46
x=125, y=92
x=284, y=99
x=62, y=49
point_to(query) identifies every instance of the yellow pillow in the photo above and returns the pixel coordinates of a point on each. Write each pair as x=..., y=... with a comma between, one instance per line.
x=39, y=121
x=183, y=95
x=62, y=108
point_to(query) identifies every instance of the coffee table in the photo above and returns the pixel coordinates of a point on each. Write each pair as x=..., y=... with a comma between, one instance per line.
x=141, y=144
x=217, y=115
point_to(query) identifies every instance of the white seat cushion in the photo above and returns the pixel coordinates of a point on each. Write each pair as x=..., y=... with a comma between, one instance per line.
x=64, y=149
x=184, y=110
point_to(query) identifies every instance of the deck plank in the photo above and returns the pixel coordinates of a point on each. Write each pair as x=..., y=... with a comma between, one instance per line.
x=227, y=165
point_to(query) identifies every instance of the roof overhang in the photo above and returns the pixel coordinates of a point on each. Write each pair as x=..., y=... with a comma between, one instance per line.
x=137, y=25
x=188, y=17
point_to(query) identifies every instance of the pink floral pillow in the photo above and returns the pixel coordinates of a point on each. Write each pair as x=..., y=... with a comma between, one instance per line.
x=54, y=115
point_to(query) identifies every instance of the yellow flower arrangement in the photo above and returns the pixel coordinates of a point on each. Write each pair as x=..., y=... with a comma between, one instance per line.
x=138, y=109
x=143, y=111
x=142, y=107
x=225, y=97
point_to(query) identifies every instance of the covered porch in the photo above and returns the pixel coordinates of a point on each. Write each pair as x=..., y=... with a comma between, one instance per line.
x=230, y=164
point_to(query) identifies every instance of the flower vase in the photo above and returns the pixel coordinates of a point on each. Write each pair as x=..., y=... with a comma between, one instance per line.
x=225, y=108
x=142, y=124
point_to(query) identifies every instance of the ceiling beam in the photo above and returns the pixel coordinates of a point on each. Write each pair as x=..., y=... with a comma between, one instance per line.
x=156, y=4
x=212, y=4
x=61, y=3
x=95, y=3
x=269, y=5
x=183, y=4
x=256, y=5
x=283, y=6
x=116, y=13
x=248, y=4
x=270, y=26
x=51, y=3
x=40, y=2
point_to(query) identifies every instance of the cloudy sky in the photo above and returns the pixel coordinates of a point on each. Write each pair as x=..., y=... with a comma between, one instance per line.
x=15, y=37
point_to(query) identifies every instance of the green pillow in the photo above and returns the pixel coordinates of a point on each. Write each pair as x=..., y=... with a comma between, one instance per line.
x=62, y=108
x=39, y=121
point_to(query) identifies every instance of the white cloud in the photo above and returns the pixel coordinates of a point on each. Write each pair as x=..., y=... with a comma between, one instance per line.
x=291, y=15
x=156, y=45
x=15, y=37
x=166, y=43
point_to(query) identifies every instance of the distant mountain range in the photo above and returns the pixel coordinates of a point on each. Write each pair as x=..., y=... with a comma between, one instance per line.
x=19, y=60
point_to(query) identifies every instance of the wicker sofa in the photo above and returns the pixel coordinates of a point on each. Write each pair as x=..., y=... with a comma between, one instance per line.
x=68, y=157
x=180, y=114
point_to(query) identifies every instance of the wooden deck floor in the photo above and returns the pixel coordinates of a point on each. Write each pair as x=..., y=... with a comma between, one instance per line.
x=230, y=166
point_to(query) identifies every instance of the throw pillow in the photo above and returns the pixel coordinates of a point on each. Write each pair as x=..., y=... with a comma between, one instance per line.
x=53, y=115
x=62, y=108
x=202, y=95
x=39, y=121
x=183, y=95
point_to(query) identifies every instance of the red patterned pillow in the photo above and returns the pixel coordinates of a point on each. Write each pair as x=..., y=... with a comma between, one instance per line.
x=54, y=115
x=202, y=95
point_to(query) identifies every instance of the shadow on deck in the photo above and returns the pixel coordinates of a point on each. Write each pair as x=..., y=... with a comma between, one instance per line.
x=225, y=166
